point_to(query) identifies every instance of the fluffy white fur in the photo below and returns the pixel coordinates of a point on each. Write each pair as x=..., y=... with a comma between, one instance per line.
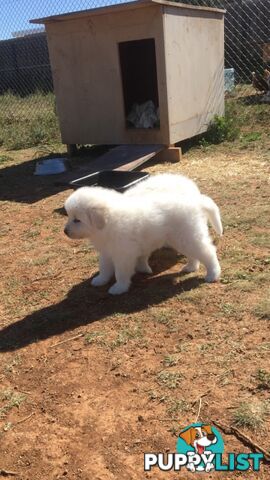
x=165, y=183
x=127, y=228
x=176, y=184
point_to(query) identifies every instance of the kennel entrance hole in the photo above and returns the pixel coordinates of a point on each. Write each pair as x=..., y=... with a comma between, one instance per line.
x=139, y=73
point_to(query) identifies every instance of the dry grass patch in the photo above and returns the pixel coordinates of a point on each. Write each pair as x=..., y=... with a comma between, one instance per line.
x=262, y=309
x=169, y=380
x=251, y=415
x=10, y=399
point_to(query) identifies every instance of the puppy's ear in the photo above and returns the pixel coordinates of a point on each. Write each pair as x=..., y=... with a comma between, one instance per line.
x=98, y=217
x=207, y=429
x=186, y=436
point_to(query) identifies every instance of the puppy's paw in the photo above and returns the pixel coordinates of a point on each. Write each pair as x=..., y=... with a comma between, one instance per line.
x=99, y=280
x=119, y=288
x=212, y=277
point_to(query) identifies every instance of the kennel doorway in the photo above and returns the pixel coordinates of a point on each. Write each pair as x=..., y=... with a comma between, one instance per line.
x=139, y=76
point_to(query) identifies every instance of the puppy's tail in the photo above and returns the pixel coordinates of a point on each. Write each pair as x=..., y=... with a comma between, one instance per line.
x=212, y=212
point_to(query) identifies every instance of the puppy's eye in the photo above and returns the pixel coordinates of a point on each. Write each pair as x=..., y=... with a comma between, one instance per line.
x=197, y=435
x=76, y=220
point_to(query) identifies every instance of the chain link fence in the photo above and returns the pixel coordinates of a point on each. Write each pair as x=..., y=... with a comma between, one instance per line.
x=26, y=87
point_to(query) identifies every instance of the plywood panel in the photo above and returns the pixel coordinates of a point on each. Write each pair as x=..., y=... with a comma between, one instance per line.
x=194, y=52
x=123, y=157
x=87, y=78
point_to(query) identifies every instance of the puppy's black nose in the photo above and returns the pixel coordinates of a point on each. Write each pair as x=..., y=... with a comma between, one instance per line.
x=211, y=436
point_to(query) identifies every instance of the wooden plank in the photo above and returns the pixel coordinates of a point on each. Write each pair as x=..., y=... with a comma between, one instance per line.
x=125, y=157
x=120, y=7
x=170, y=154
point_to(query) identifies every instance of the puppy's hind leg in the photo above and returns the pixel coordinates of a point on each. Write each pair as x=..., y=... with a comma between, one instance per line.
x=143, y=266
x=208, y=256
x=124, y=269
x=192, y=266
x=106, y=271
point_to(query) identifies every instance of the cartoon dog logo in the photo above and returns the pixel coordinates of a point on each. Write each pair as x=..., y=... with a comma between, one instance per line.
x=202, y=439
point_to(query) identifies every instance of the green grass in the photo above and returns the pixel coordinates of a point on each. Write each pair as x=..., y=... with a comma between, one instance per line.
x=241, y=275
x=28, y=121
x=11, y=399
x=260, y=239
x=182, y=347
x=93, y=337
x=244, y=126
x=169, y=380
x=5, y=159
x=205, y=347
x=244, y=282
x=155, y=396
x=125, y=335
x=10, y=367
x=38, y=262
x=264, y=347
x=223, y=128
x=251, y=415
x=250, y=137
x=163, y=317
x=177, y=407
x=31, y=121
x=262, y=309
x=166, y=318
x=31, y=234
x=170, y=360
x=256, y=114
x=231, y=310
x=228, y=309
x=195, y=296
x=263, y=379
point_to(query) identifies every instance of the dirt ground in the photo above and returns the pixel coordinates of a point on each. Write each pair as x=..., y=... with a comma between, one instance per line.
x=90, y=382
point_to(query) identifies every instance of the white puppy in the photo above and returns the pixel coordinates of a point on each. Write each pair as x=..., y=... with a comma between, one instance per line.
x=126, y=229
x=165, y=183
x=176, y=184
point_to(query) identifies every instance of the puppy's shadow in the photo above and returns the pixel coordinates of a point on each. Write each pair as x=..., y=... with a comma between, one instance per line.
x=160, y=261
x=163, y=259
x=61, y=211
x=85, y=304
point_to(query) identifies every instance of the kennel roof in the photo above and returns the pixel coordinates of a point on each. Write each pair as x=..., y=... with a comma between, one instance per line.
x=118, y=8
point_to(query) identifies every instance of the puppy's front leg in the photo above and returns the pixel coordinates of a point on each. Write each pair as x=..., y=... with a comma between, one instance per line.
x=124, y=269
x=143, y=266
x=106, y=271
